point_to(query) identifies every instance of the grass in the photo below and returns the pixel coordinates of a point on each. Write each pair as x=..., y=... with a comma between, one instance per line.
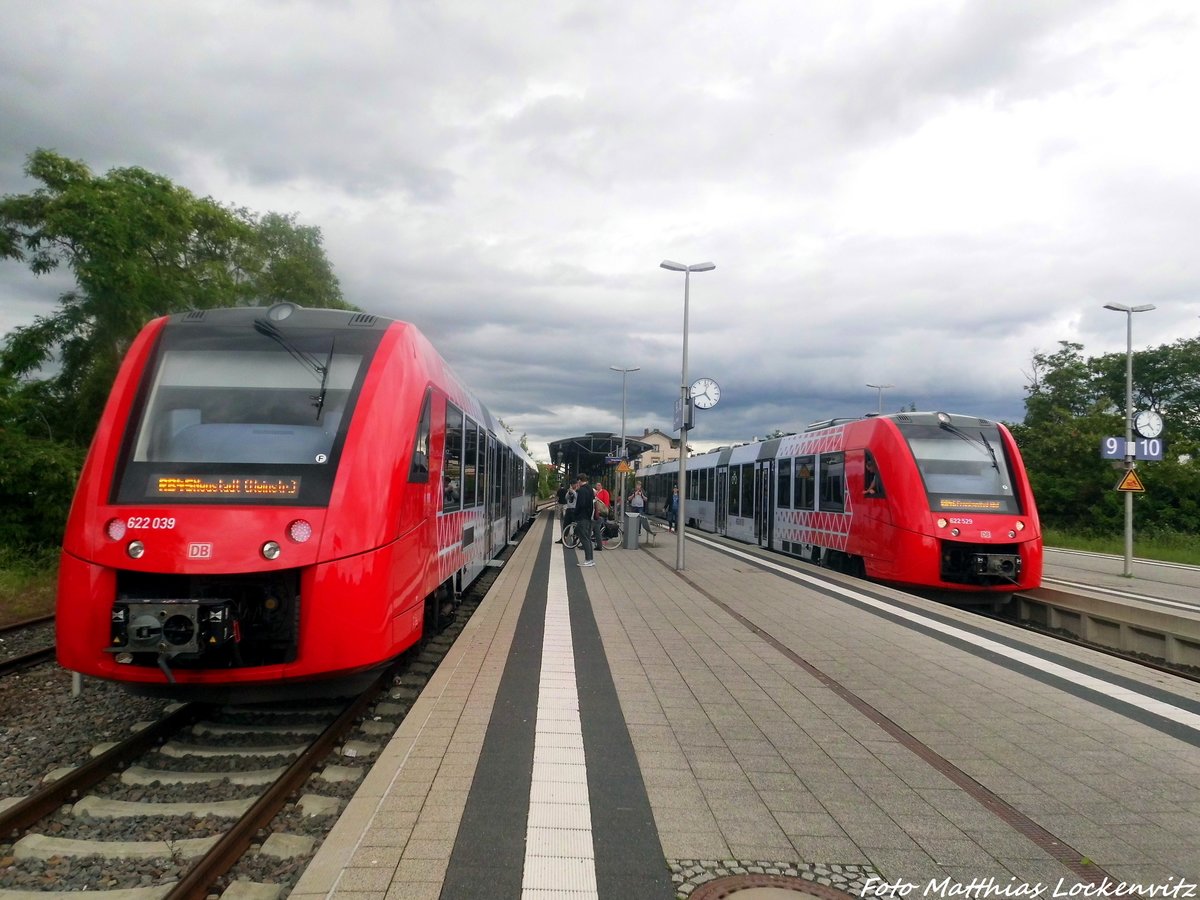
x=1163, y=546
x=27, y=581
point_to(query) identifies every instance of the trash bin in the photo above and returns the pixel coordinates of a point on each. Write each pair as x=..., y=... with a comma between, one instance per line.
x=632, y=530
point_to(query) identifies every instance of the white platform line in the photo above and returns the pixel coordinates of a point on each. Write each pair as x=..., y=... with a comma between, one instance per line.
x=560, y=858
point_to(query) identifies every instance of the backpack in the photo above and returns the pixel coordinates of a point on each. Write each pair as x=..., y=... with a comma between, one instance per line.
x=570, y=498
x=601, y=507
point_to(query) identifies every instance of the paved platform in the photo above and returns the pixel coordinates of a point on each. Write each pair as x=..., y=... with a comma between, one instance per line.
x=627, y=731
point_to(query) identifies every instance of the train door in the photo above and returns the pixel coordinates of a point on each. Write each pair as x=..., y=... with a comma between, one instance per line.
x=722, y=511
x=764, y=481
x=493, y=476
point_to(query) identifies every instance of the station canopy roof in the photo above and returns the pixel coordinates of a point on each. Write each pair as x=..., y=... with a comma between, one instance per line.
x=590, y=453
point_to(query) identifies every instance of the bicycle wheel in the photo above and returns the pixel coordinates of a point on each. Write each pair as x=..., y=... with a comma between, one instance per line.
x=570, y=537
x=612, y=537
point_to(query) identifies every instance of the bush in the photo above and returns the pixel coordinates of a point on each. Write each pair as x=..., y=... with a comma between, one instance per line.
x=37, y=482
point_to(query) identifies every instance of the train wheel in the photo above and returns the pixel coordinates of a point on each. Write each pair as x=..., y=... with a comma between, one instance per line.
x=439, y=609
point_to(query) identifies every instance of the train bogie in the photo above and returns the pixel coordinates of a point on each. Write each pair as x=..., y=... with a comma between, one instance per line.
x=276, y=498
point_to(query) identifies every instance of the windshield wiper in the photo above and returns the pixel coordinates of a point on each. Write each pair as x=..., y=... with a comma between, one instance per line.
x=319, y=399
x=306, y=359
x=982, y=441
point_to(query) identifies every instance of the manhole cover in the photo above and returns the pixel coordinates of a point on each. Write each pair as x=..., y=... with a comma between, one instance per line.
x=766, y=887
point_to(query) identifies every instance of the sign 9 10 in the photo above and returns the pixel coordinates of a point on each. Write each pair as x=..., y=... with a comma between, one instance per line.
x=1150, y=449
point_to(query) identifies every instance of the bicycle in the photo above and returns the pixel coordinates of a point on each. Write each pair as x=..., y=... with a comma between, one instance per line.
x=613, y=535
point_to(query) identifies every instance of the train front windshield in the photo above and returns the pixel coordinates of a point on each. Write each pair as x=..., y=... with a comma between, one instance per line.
x=234, y=415
x=965, y=469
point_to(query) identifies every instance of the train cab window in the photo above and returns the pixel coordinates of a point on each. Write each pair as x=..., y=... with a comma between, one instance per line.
x=234, y=415
x=832, y=482
x=470, y=463
x=452, y=466
x=963, y=468
x=805, y=483
x=872, y=480
x=239, y=406
x=418, y=469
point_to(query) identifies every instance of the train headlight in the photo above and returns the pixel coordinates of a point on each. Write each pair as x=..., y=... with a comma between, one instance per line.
x=270, y=550
x=136, y=549
x=1020, y=526
x=943, y=418
x=942, y=523
x=1012, y=534
x=115, y=529
x=954, y=532
x=299, y=531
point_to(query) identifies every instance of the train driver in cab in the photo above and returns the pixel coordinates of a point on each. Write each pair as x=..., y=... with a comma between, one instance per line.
x=872, y=485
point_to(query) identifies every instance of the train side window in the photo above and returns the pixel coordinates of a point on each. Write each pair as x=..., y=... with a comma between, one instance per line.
x=832, y=474
x=783, y=489
x=418, y=469
x=452, y=467
x=747, y=489
x=804, y=483
x=470, y=463
x=872, y=481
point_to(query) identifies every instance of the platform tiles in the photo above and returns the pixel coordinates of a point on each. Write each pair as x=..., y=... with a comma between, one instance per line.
x=734, y=718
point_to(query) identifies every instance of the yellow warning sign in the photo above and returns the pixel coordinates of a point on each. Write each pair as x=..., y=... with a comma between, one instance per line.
x=624, y=467
x=1131, y=483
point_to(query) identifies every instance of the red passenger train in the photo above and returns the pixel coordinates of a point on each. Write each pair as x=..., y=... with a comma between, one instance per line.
x=277, y=497
x=920, y=499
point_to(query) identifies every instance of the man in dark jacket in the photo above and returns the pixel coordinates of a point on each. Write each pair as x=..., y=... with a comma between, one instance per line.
x=585, y=503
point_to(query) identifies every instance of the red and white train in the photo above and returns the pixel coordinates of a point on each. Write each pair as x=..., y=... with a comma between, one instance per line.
x=276, y=497
x=949, y=506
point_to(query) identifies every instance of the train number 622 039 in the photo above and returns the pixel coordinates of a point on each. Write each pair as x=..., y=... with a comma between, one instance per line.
x=156, y=523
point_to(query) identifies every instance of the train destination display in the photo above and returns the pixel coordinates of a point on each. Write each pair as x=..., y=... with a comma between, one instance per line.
x=224, y=486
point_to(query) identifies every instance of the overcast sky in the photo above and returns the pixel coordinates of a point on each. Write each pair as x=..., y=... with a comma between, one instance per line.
x=921, y=194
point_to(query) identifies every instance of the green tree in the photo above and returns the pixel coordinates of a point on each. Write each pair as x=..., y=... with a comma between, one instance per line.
x=1074, y=402
x=138, y=247
x=1166, y=378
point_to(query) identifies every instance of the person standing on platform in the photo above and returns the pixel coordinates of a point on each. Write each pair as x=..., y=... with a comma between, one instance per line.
x=599, y=519
x=568, y=505
x=673, y=508
x=637, y=504
x=585, y=503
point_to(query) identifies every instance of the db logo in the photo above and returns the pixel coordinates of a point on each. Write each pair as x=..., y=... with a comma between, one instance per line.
x=199, y=551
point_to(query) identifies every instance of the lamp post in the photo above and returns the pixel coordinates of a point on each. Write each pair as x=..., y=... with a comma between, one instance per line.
x=881, y=388
x=681, y=519
x=1129, y=447
x=621, y=499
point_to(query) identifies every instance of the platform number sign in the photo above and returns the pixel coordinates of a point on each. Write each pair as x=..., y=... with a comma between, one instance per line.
x=1150, y=449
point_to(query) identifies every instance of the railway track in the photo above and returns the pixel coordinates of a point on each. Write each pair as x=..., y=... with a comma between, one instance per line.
x=24, y=644
x=179, y=750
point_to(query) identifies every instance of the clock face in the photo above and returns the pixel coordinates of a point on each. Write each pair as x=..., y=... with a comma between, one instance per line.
x=1148, y=423
x=705, y=393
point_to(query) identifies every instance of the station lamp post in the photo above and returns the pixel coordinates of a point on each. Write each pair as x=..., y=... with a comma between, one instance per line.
x=681, y=519
x=1129, y=445
x=621, y=499
x=881, y=388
